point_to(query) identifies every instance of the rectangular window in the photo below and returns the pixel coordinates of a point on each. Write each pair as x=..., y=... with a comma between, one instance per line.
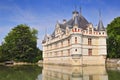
x=47, y=47
x=50, y=54
x=46, y=54
x=56, y=53
x=90, y=77
x=89, y=41
x=89, y=52
x=68, y=42
x=90, y=30
x=51, y=46
x=75, y=39
x=62, y=44
x=68, y=52
x=56, y=45
x=61, y=53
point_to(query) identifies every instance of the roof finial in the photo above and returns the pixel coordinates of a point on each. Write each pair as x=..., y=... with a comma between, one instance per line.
x=75, y=8
x=100, y=24
x=58, y=22
x=80, y=10
x=45, y=30
x=100, y=15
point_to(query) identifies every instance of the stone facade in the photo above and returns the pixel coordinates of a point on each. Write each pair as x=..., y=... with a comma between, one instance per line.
x=75, y=42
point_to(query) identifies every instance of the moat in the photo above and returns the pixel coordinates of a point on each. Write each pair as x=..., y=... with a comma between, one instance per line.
x=50, y=72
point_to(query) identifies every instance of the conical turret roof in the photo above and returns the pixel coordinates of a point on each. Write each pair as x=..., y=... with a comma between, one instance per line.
x=100, y=26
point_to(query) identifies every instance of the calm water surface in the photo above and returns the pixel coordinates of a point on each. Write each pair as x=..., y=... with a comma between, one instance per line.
x=49, y=72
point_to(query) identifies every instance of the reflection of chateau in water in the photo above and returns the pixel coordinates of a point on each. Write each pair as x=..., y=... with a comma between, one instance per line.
x=51, y=72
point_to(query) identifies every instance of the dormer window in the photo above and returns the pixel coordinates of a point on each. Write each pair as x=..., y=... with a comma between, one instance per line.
x=75, y=29
x=67, y=30
x=90, y=30
x=75, y=39
x=58, y=32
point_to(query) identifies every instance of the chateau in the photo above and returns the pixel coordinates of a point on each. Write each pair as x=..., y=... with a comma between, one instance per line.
x=76, y=42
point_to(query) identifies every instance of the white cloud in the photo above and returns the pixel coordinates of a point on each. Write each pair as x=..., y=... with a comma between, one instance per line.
x=24, y=16
x=19, y=15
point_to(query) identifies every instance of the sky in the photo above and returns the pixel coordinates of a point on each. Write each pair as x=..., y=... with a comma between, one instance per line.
x=43, y=14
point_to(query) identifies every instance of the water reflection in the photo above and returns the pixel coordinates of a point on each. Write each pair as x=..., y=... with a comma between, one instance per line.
x=25, y=72
x=51, y=72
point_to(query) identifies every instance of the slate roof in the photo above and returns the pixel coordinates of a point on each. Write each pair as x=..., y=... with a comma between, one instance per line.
x=78, y=20
x=100, y=26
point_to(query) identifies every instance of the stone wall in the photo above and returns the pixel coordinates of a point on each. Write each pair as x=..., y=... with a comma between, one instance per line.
x=113, y=63
x=76, y=60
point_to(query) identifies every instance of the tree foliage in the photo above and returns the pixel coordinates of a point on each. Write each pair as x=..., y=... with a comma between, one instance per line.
x=113, y=41
x=21, y=45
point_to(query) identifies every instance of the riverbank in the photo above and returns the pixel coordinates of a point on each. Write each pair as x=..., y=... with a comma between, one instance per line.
x=17, y=63
x=113, y=63
x=109, y=63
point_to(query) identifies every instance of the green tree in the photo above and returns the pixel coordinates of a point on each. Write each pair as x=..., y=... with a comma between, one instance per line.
x=113, y=41
x=21, y=45
x=0, y=52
